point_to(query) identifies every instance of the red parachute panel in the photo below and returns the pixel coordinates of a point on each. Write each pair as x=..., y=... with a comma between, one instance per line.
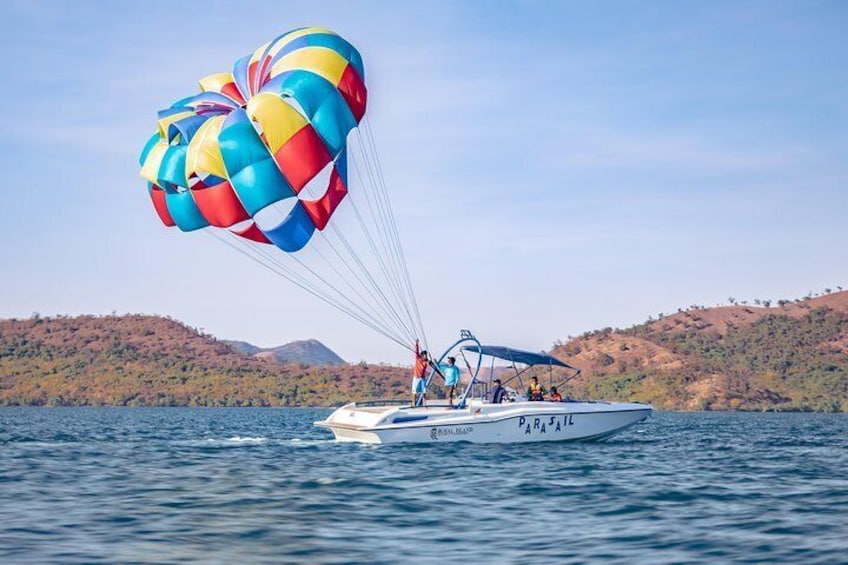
x=158, y=197
x=230, y=89
x=219, y=205
x=320, y=210
x=253, y=233
x=302, y=157
x=353, y=90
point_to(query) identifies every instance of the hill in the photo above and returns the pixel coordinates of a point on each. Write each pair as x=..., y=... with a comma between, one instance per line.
x=244, y=347
x=153, y=361
x=793, y=356
x=309, y=352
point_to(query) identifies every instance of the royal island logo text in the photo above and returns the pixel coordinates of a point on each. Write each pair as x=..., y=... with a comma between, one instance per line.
x=436, y=433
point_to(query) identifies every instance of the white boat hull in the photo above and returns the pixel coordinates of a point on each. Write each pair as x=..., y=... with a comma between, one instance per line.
x=518, y=422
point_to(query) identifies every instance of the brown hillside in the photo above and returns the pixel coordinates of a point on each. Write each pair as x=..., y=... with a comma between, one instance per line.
x=720, y=319
x=793, y=356
x=145, y=335
x=599, y=355
x=149, y=360
x=790, y=356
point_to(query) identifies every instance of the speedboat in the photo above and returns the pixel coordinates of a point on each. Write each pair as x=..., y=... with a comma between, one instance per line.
x=475, y=419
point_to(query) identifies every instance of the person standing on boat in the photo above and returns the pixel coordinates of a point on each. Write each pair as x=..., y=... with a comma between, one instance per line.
x=535, y=391
x=419, y=375
x=451, y=374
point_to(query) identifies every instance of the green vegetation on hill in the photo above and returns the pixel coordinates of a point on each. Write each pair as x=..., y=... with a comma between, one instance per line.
x=790, y=357
x=153, y=361
x=778, y=362
x=793, y=357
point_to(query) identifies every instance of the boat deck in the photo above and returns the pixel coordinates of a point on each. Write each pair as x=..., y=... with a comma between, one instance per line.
x=371, y=409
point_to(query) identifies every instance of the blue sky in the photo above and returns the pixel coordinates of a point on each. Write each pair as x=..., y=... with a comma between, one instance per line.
x=555, y=167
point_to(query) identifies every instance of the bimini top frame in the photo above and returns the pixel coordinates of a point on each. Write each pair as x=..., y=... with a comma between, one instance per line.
x=519, y=356
x=467, y=342
x=527, y=358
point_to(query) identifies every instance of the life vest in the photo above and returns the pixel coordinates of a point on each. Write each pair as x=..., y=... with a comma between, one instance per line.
x=556, y=397
x=498, y=395
x=536, y=392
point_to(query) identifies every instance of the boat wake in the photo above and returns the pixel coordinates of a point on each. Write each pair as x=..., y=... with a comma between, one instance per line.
x=234, y=441
x=299, y=442
x=248, y=440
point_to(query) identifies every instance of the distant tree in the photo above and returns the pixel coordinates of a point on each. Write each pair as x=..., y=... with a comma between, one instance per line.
x=757, y=301
x=605, y=360
x=827, y=291
x=732, y=300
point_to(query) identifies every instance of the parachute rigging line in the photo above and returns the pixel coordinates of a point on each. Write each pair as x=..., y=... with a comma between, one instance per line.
x=394, y=230
x=276, y=267
x=277, y=130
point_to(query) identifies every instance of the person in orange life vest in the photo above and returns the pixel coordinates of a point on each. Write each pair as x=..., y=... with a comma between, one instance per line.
x=555, y=396
x=419, y=375
x=535, y=391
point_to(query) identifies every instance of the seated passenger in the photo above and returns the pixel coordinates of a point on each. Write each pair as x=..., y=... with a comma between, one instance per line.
x=535, y=391
x=555, y=396
x=498, y=392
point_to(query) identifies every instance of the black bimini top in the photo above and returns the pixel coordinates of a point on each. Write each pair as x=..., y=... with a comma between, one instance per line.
x=517, y=356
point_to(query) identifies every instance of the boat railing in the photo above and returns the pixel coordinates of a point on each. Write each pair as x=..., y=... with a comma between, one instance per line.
x=382, y=402
x=465, y=336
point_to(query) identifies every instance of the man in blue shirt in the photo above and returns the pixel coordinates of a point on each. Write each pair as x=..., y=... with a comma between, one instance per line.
x=451, y=374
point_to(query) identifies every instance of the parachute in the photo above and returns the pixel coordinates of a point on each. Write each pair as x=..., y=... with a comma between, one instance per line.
x=259, y=159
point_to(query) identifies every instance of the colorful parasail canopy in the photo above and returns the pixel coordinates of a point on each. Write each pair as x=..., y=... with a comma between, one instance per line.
x=257, y=136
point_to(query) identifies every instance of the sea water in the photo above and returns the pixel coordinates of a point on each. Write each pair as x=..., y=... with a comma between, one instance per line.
x=182, y=485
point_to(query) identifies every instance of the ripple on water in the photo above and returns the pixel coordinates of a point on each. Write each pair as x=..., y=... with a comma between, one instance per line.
x=262, y=485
